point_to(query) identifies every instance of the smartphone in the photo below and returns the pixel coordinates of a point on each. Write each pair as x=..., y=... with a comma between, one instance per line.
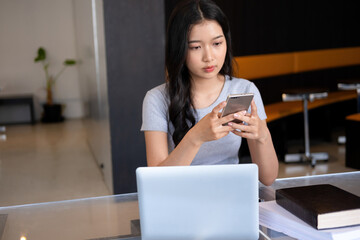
x=236, y=103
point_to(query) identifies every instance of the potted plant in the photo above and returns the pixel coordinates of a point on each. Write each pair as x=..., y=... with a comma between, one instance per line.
x=52, y=111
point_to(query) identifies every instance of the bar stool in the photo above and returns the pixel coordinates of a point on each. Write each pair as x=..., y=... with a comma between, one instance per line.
x=349, y=84
x=305, y=95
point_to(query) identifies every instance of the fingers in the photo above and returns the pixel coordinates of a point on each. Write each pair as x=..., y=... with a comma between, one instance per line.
x=218, y=108
x=241, y=127
x=227, y=119
x=256, y=130
x=243, y=134
x=248, y=132
x=242, y=116
x=253, y=108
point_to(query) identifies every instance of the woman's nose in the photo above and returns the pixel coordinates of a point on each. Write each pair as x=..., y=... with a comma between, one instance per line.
x=208, y=55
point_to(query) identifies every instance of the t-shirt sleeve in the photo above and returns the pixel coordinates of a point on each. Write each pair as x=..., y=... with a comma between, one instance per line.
x=258, y=101
x=154, y=112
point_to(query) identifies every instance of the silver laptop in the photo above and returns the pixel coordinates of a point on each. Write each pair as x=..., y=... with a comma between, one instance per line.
x=199, y=202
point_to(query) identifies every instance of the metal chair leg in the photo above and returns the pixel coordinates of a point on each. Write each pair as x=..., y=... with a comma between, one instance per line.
x=307, y=156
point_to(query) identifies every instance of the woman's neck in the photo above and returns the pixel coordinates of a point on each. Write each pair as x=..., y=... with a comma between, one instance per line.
x=206, y=91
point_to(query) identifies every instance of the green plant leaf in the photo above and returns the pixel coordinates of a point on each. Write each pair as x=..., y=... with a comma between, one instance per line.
x=69, y=62
x=41, y=55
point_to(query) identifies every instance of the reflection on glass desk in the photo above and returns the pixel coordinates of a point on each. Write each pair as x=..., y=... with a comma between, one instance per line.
x=116, y=217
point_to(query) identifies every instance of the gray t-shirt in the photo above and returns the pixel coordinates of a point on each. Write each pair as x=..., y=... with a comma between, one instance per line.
x=155, y=117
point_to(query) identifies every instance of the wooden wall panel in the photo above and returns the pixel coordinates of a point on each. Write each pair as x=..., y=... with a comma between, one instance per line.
x=328, y=58
x=267, y=65
x=277, y=64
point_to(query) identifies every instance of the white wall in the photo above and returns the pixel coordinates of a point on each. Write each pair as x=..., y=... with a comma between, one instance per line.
x=24, y=26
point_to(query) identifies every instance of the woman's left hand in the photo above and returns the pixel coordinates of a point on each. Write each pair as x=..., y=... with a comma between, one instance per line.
x=254, y=129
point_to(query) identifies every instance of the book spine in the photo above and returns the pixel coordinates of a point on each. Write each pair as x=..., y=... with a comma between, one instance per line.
x=293, y=206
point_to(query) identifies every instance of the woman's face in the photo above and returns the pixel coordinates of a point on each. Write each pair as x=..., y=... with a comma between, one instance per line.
x=207, y=50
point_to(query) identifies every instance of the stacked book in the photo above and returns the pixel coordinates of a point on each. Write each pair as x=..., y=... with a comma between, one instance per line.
x=313, y=212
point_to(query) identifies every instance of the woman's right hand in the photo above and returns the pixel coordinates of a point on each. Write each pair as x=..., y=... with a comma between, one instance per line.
x=207, y=129
x=211, y=127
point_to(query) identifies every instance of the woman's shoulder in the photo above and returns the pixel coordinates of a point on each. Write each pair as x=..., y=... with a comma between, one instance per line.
x=157, y=94
x=158, y=91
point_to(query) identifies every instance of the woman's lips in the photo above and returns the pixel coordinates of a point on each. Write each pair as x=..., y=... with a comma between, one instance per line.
x=209, y=69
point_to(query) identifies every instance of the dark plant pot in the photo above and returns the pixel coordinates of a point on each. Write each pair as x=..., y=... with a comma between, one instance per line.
x=52, y=113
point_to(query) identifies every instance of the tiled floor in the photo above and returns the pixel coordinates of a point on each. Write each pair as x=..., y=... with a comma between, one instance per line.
x=336, y=162
x=52, y=162
x=47, y=162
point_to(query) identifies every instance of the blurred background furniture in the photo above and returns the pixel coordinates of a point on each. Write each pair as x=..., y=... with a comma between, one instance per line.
x=352, y=126
x=305, y=95
x=349, y=84
x=20, y=99
x=352, y=131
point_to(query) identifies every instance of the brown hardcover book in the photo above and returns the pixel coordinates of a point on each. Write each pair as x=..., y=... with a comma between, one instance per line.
x=322, y=206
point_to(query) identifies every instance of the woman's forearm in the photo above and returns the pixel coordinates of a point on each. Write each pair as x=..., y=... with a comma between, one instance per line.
x=264, y=155
x=184, y=153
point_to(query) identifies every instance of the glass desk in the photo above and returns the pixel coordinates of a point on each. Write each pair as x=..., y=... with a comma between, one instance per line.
x=116, y=216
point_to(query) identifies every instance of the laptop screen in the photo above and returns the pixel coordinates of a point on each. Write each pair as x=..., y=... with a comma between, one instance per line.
x=198, y=202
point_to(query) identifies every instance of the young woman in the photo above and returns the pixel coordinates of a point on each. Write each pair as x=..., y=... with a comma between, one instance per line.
x=182, y=118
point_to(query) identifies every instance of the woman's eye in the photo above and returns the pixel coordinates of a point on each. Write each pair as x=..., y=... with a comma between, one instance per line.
x=194, y=47
x=217, y=43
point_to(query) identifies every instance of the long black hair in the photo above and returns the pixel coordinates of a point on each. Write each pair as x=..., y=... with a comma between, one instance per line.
x=184, y=16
